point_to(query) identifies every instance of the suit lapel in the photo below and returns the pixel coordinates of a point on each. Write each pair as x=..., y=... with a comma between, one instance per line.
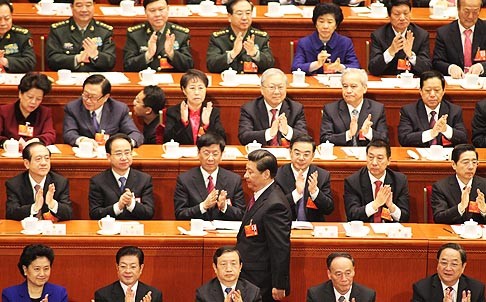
x=344, y=114
x=199, y=183
x=106, y=116
x=86, y=117
x=456, y=36
x=29, y=193
x=422, y=115
x=217, y=292
x=437, y=293
x=258, y=204
x=363, y=113
x=355, y=293
x=113, y=183
x=262, y=115
x=117, y=292
x=366, y=187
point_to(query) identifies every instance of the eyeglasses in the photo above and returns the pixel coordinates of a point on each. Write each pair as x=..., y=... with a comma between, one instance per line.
x=452, y=265
x=122, y=154
x=305, y=155
x=466, y=162
x=208, y=154
x=273, y=88
x=128, y=267
x=92, y=98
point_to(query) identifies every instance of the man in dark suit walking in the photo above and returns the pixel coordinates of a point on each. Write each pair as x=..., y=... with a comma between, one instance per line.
x=340, y=271
x=228, y=286
x=306, y=186
x=449, y=283
x=121, y=192
x=129, y=267
x=209, y=192
x=264, y=237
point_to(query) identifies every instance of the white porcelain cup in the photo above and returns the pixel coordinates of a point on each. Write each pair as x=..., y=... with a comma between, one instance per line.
x=29, y=223
x=439, y=10
x=107, y=224
x=197, y=225
x=11, y=146
x=436, y=151
x=470, y=227
x=147, y=75
x=171, y=148
x=326, y=150
x=406, y=79
x=273, y=8
x=127, y=6
x=206, y=7
x=298, y=77
x=64, y=75
x=355, y=226
x=229, y=76
x=46, y=6
x=378, y=9
x=471, y=80
x=86, y=149
x=253, y=146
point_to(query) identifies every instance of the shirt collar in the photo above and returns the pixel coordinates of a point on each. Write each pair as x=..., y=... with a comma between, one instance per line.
x=296, y=172
x=462, y=28
x=374, y=179
x=258, y=193
x=428, y=110
x=117, y=176
x=205, y=174
x=125, y=287
x=347, y=295
x=33, y=182
x=270, y=108
x=462, y=185
x=351, y=108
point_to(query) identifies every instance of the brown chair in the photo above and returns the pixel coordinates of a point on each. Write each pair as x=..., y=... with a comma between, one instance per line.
x=43, y=52
x=428, y=215
x=367, y=52
x=293, y=48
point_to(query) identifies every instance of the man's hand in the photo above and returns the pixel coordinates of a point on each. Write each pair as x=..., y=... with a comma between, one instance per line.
x=480, y=201
x=82, y=57
x=169, y=45
x=466, y=296
x=90, y=48
x=274, y=128
x=278, y=294
x=249, y=46
x=283, y=125
x=366, y=125
x=151, y=46
x=125, y=199
x=312, y=182
x=130, y=295
x=222, y=199
x=353, y=125
x=407, y=46
x=234, y=296
x=456, y=72
x=464, y=199
x=39, y=200
x=237, y=46
x=50, y=196
x=476, y=69
x=147, y=297
x=300, y=182
x=440, y=126
x=92, y=141
x=381, y=197
x=396, y=45
x=389, y=203
x=211, y=200
x=206, y=113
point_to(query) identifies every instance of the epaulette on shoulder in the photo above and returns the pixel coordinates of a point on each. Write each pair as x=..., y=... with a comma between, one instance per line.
x=59, y=24
x=259, y=32
x=20, y=30
x=109, y=27
x=220, y=33
x=180, y=28
x=136, y=27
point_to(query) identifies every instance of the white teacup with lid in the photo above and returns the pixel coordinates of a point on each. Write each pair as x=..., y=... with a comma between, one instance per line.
x=11, y=147
x=406, y=79
x=171, y=148
x=107, y=224
x=298, y=77
x=147, y=76
x=253, y=146
x=470, y=228
x=378, y=9
x=46, y=6
x=326, y=150
x=229, y=76
x=29, y=223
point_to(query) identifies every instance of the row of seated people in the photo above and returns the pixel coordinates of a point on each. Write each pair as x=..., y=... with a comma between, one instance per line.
x=83, y=44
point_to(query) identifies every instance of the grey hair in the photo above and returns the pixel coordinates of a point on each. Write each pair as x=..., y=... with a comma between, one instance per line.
x=271, y=72
x=360, y=72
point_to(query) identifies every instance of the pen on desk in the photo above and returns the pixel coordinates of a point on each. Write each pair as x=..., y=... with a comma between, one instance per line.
x=448, y=231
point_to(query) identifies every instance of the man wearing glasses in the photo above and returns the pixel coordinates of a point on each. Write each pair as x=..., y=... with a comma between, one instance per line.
x=460, y=197
x=209, y=192
x=95, y=116
x=120, y=191
x=272, y=119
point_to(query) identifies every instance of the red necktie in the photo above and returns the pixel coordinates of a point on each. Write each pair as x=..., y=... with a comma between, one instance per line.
x=377, y=215
x=210, y=184
x=274, y=140
x=467, y=49
x=251, y=203
x=431, y=125
x=39, y=214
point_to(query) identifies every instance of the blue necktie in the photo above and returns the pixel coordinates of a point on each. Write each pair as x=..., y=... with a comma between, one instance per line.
x=123, y=181
x=96, y=125
x=227, y=290
x=301, y=210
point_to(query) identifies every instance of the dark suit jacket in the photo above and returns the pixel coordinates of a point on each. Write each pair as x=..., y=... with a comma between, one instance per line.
x=286, y=180
x=336, y=120
x=325, y=292
x=254, y=120
x=104, y=191
x=430, y=289
x=191, y=191
x=414, y=121
x=20, y=293
x=358, y=192
x=266, y=256
x=448, y=46
x=174, y=129
x=114, y=119
x=479, y=125
x=114, y=293
x=446, y=195
x=20, y=196
x=212, y=292
x=382, y=38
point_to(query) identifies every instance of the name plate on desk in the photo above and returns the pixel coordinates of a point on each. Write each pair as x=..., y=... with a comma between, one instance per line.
x=400, y=232
x=132, y=229
x=325, y=232
x=55, y=229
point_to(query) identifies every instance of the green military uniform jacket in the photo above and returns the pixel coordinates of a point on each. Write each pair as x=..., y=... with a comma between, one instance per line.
x=65, y=41
x=222, y=41
x=136, y=46
x=17, y=44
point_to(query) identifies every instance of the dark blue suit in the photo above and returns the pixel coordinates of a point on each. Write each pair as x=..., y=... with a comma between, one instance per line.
x=20, y=293
x=338, y=46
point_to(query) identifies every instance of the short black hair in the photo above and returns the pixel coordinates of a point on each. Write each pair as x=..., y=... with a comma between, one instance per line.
x=130, y=250
x=27, y=154
x=114, y=137
x=72, y=1
x=303, y=138
x=7, y=3
x=264, y=161
x=209, y=139
x=453, y=246
x=154, y=98
x=97, y=79
x=193, y=75
x=335, y=255
x=147, y=2
x=392, y=3
x=223, y=250
x=34, y=80
x=380, y=143
x=327, y=8
x=461, y=148
x=430, y=74
x=231, y=3
x=32, y=252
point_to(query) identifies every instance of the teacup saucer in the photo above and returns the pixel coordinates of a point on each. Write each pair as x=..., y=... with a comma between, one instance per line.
x=44, y=13
x=107, y=233
x=272, y=15
x=33, y=232
x=171, y=156
x=70, y=81
x=142, y=83
x=228, y=84
x=328, y=157
x=208, y=14
x=478, y=235
x=434, y=17
x=299, y=85
x=478, y=86
x=437, y=158
x=364, y=231
x=128, y=14
x=14, y=155
x=80, y=155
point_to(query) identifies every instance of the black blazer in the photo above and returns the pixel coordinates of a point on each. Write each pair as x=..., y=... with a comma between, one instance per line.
x=114, y=293
x=430, y=289
x=212, y=291
x=174, y=129
x=266, y=257
x=446, y=195
x=325, y=292
x=191, y=191
x=382, y=38
x=448, y=46
x=414, y=121
x=479, y=125
x=104, y=191
x=254, y=120
x=20, y=196
x=286, y=180
x=336, y=119
x=358, y=192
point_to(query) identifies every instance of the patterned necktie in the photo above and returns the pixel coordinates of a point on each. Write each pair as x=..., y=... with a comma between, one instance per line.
x=467, y=49
x=210, y=184
x=227, y=290
x=355, y=113
x=377, y=215
x=96, y=125
x=431, y=125
x=274, y=140
x=37, y=187
x=341, y=299
x=251, y=203
x=123, y=181
x=301, y=210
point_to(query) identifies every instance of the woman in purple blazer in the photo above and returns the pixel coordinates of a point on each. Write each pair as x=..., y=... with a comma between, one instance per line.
x=35, y=265
x=325, y=51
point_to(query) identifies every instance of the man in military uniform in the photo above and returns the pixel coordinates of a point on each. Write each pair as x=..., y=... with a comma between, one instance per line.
x=239, y=46
x=81, y=43
x=16, y=52
x=157, y=44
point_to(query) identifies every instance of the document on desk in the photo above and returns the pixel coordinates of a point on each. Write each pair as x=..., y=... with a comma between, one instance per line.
x=227, y=225
x=358, y=152
x=302, y=225
x=54, y=149
x=382, y=228
x=115, y=78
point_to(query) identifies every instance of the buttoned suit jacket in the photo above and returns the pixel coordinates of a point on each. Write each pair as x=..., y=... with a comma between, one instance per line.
x=254, y=120
x=325, y=292
x=336, y=119
x=114, y=119
x=114, y=293
x=212, y=291
x=20, y=293
x=191, y=191
x=382, y=38
x=266, y=256
x=446, y=195
x=430, y=289
x=448, y=46
x=286, y=180
x=104, y=191
x=20, y=196
x=414, y=121
x=479, y=125
x=358, y=192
